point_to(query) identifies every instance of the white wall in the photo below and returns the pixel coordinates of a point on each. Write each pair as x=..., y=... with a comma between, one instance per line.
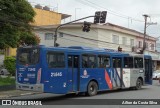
x=76, y=37
x=70, y=37
x=106, y=35
x=41, y=34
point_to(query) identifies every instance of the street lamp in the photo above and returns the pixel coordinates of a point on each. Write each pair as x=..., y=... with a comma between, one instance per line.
x=76, y=11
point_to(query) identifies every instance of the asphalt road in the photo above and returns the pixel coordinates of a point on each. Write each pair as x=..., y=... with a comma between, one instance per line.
x=147, y=92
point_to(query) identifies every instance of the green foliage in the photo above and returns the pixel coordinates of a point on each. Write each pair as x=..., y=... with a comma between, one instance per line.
x=15, y=19
x=10, y=64
x=6, y=81
x=29, y=39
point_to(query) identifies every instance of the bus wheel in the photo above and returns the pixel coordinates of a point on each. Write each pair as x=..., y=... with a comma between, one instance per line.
x=92, y=88
x=138, y=84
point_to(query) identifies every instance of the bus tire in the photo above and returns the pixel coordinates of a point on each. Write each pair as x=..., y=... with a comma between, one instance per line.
x=138, y=84
x=92, y=88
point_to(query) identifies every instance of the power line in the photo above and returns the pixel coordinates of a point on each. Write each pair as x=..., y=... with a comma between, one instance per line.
x=109, y=11
x=94, y=40
x=91, y=39
x=71, y=32
x=102, y=35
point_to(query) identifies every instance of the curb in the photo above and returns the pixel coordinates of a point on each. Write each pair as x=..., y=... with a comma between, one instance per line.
x=7, y=87
x=23, y=94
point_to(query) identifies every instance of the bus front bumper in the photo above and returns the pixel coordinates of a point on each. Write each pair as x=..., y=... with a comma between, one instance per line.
x=31, y=87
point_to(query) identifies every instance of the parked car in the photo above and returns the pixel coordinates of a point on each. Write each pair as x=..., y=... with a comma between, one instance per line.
x=156, y=74
x=4, y=72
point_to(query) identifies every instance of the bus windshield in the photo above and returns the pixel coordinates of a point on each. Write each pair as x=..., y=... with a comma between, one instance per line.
x=28, y=56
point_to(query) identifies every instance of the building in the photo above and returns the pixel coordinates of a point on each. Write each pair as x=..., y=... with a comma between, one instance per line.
x=101, y=36
x=44, y=16
x=108, y=36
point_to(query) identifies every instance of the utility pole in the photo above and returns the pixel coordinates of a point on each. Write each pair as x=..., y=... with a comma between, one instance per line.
x=145, y=26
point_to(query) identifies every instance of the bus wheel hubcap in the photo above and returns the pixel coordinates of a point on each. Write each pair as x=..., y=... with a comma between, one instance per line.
x=139, y=84
x=91, y=88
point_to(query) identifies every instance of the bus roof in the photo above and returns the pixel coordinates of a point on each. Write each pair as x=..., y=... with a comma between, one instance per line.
x=83, y=49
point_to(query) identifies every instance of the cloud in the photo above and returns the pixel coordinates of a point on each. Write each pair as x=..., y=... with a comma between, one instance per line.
x=118, y=11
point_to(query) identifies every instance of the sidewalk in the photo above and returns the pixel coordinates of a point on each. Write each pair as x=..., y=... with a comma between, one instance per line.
x=15, y=93
x=156, y=83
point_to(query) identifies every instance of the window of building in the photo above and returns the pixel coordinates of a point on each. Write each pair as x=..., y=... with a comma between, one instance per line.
x=152, y=46
x=55, y=59
x=48, y=36
x=140, y=44
x=124, y=40
x=132, y=42
x=103, y=61
x=128, y=62
x=138, y=62
x=115, y=39
x=88, y=61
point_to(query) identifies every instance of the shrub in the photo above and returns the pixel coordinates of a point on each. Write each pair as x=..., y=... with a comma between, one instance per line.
x=10, y=64
x=7, y=81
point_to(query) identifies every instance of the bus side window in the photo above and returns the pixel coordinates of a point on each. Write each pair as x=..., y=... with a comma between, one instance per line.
x=100, y=62
x=106, y=62
x=138, y=62
x=116, y=62
x=92, y=61
x=84, y=61
x=88, y=61
x=103, y=61
x=128, y=62
x=55, y=59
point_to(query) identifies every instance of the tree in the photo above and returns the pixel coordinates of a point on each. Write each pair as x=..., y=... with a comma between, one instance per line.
x=29, y=39
x=15, y=19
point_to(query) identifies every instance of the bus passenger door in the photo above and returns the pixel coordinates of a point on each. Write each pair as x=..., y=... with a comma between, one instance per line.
x=73, y=73
x=116, y=74
x=148, y=71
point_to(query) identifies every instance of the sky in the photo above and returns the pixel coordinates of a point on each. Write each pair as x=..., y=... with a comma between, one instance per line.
x=126, y=13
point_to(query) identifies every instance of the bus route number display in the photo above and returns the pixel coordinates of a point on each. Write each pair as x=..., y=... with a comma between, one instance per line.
x=56, y=74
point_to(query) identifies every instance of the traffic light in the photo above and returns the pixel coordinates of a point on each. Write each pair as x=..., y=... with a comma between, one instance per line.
x=103, y=17
x=97, y=17
x=86, y=26
x=119, y=49
x=100, y=17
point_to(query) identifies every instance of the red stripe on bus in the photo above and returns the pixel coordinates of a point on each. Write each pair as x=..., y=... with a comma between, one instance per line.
x=108, y=80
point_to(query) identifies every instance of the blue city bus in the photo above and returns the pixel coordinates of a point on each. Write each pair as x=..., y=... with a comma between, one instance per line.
x=76, y=69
